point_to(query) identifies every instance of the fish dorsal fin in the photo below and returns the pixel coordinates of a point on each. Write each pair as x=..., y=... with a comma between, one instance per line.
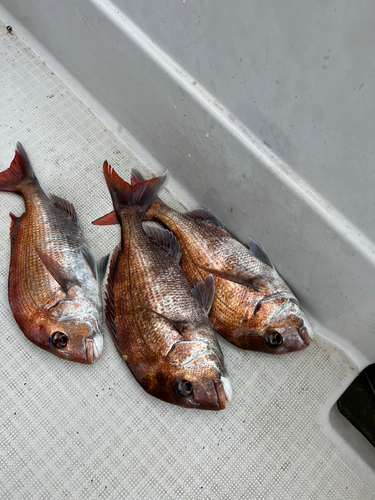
x=90, y=259
x=107, y=220
x=97, y=266
x=64, y=279
x=109, y=299
x=258, y=251
x=204, y=292
x=180, y=325
x=136, y=177
x=164, y=238
x=241, y=279
x=66, y=205
x=101, y=267
x=203, y=213
x=15, y=222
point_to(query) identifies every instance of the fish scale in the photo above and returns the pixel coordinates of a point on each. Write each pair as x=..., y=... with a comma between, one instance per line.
x=156, y=323
x=53, y=279
x=253, y=306
x=139, y=267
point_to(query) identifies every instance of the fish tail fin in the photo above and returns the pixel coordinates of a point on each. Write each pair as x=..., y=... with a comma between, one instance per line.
x=137, y=177
x=141, y=194
x=20, y=170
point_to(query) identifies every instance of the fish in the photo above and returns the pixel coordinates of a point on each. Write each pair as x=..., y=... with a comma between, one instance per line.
x=157, y=321
x=54, y=279
x=253, y=308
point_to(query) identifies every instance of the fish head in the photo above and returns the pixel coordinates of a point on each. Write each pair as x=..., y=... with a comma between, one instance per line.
x=70, y=331
x=279, y=326
x=191, y=375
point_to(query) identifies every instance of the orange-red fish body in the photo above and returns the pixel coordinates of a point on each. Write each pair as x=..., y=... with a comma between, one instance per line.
x=156, y=323
x=253, y=307
x=53, y=280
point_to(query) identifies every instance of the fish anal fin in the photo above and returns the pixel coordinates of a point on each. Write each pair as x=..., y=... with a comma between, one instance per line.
x=164, y=238
x=109, y=299
x=204, y=292
x=14, y=224
x=204, y=214
x=258, y=251
x=66, y=205
x=241, y=279
x=107, y=220
x=65, y=280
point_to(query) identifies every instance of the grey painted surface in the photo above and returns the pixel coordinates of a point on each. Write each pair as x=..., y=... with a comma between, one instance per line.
x=326, y=260
x=299, y=74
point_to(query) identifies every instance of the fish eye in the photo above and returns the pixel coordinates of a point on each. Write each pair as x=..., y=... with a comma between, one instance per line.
x=274, y=340
x=184, y=389
x=59, y=340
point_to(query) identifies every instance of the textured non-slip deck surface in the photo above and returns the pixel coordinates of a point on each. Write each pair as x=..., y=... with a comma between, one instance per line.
x=74, y=431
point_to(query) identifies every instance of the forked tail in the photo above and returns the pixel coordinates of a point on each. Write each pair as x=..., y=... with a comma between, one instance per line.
x=124, y=194
x=19, y=172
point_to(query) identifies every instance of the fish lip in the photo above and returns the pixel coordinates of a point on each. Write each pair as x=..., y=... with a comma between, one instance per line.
x=303, y=332
x=219, y=387
x=94, y=348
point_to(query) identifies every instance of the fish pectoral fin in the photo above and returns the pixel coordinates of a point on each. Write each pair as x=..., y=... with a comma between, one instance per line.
x=109, y=300
x=64, y=279
x=164, y=238
x=180, y=325
x=258, y=252
x=13, y=228
x=204, y=292
x=241, y=279
x=203, y=213
x=65, y=205
x=107, y=220
x=56, y=298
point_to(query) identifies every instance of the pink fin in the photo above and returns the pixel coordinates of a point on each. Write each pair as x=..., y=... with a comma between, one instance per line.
x=165, y=239
x=123, y=194
x=241, y=279
x=136, y=176
x=204, y=292
x=20, y=170
x=204, y=214
x=107, y=220
x=66, y=205
x=57, y=271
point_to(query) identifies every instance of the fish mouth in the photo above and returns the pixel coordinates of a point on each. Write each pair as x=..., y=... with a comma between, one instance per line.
x=94, y=348
x=305, y=332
